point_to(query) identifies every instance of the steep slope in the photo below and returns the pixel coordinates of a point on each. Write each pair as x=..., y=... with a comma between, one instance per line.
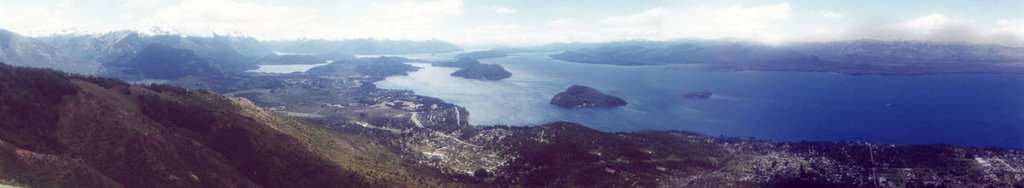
x=163, y=62
x=112, y=46
x=245, y=45
x=364, y=155
x=120, y=51
x=58, y=130
x=108, y=47
x=20, y=50
x=63, y=130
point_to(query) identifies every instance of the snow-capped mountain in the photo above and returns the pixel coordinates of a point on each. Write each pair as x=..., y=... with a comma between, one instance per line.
x=19, y=50
x=115, y=46
x=121, y=51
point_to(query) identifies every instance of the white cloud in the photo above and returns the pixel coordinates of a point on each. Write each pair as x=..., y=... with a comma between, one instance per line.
x=65, y=3
x=445, y=20
x=201, y=17
x=504, y=10
x=142, y=3
x=1008, y=27
x=411, y=9
x=1010, y=32
x=417, y=20
x=401, y=20
x=508, y=35
x=36, y=21
x=940, y=27
x=654, y=16
x=830, y=14
x=1009, y=22
x=559, y=23
x=737, y=22
x=935, y=20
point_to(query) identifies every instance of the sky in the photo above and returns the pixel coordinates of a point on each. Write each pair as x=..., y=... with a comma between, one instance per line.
x=471, y=23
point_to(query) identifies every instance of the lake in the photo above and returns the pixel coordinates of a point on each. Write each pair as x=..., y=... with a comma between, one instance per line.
x=286, y=68
x=962, y=109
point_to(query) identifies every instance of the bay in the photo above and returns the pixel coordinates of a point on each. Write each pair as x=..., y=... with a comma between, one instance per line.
x=961, y=109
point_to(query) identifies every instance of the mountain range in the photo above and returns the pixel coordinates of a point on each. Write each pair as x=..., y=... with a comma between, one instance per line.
x=16, y=49
x=217, y=126
x=848, y=57
x=123, y=54
x=361, y=46
x=66, y=130
x=117, y=54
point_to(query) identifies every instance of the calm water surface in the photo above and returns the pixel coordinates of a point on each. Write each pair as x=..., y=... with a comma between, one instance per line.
x=286, y=68
x=963, y=109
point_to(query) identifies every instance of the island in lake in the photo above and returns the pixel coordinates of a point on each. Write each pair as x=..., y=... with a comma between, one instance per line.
x=473, y=69
x=577, y=96
x=483, y=72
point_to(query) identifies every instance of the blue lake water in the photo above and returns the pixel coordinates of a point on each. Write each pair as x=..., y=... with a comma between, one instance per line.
x=286, y=68
x=962, y=109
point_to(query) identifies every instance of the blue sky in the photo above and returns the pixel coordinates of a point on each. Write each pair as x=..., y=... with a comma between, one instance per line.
x=531, y=22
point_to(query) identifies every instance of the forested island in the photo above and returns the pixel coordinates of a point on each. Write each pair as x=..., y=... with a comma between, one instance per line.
x=473, y=69
x=578, y=96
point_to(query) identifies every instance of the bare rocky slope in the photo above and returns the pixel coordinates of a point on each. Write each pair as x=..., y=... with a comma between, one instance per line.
x=62, y=130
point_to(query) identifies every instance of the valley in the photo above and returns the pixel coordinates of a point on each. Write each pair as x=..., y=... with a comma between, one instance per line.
x=438, y=134
x=215, y=124
x=554, y=154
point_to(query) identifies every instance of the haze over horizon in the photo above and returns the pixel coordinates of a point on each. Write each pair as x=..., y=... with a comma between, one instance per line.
x=520, y=23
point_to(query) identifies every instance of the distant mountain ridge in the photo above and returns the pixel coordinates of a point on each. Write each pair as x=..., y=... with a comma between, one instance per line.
x=878, y=51
x=361, y=46
x=109, y=47
x=124, y=53
x=489, y=54
x=26, y=51
x=121, y=52
x=849, y=57
x=681, y=52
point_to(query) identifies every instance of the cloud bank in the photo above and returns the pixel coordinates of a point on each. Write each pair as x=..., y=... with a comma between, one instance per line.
x=939, y=27
x=487, y=23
